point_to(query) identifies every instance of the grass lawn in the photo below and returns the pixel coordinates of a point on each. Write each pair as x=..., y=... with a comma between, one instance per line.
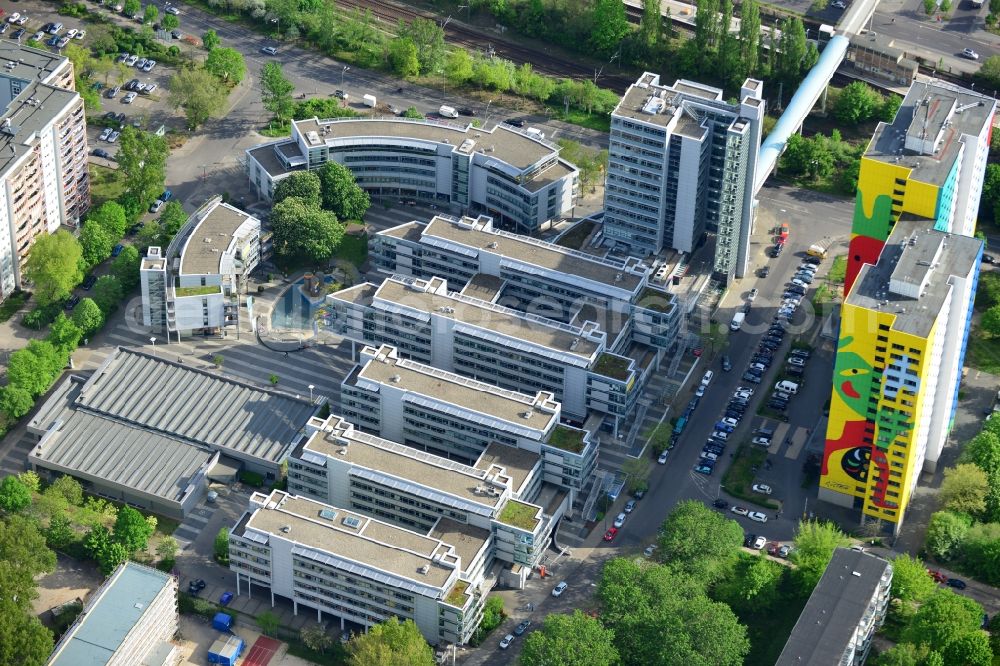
x=595, y=121
x=740, y=475
x=105, y=184
x=519, y=515
x=13, y=303
x=838, y=269
x=353, y=248
x=822, y=299
x=983, y=353
x=574, y=238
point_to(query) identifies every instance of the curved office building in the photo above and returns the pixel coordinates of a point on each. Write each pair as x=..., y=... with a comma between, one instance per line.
x=514, y=176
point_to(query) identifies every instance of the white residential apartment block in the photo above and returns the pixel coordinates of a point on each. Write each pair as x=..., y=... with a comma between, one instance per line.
x=534, y=276
x=345, y=564
x=681, y=164
x=195, y=285
x=458, y=418
x=130, y=620
x=44, y=181
x=497, y=345
x=503, y=494
x=515, y=176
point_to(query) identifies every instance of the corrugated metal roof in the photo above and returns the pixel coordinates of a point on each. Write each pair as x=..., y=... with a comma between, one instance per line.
x=116, y=608
x=195, y=405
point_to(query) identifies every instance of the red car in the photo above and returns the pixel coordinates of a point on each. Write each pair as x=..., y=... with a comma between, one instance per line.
x=937, y=576
x=610, y=534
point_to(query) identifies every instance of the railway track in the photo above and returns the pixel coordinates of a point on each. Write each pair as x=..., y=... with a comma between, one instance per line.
x=475, y=40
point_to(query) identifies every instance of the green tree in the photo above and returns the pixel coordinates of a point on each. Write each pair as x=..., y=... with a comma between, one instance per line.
x=945, y=534
x=890, y=105
x=857, y=103
x=964, y=488
x=637, y=470
x=749, y=37
x=942, y=618
x=150, y=233
x=23, y=552
x=221, y=546
x=111, y=216
x=197, y=92
x=981, y=552
x=970, y=649
x=428, y=37
x=698, y=540
x=304, y=185
x=15, y=401
x=210, y=40
x=112, y=555
x=650, y=24
x=304, y=233
x=610, y=25
x=167, y=548
x=402, y=57
x=125, y=267
x=151, y=13
x=64, y=334
x=59, y=534
x=570, y=640
x=31, y=480
x=903, y=654
x=792, y=54
x=142, y=159
x=14, y=495
x=35, y=367
x=316, y=637
x=23, y=639
x=706, y=26
x=390, y=642
x=227, y=64
x=54, y=266
x=131, y=530
x=458, y=66
x=171, y=220
x=170, y=22
x=108, y=293
x=276, y=91
x=910, y=580
x=340, y=192
x=989, y=72
x=131, y=8
x=88, y=316
x=814, y=545
x=69, y=488
x=411, y=112
x=95, y=243
x=990, y=322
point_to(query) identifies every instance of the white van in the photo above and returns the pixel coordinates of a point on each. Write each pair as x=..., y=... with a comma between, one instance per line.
x=707, y=378
x=535, y=133
x=737, y=322
x=447, y=112
x=369, y=101
x=788, y=387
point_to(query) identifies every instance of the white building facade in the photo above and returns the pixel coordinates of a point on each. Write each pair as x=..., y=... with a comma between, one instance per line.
x=515, y=176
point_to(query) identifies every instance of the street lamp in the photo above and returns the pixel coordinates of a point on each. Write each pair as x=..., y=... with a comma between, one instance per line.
x=152, y=341
x=486, y=114
x=342, y=72
x=311, y=387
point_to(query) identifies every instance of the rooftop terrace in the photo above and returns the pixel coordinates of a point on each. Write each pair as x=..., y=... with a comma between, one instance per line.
x=210, y=239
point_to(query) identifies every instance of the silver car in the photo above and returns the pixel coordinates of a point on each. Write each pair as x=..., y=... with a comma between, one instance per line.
x=129, y=98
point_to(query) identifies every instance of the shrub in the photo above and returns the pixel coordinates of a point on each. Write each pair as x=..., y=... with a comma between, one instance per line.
x=41, y=316
x=252, y=479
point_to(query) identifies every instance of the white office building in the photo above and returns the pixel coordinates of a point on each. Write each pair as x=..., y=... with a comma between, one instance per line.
x=347, y=565
x=515, y=176
x=195, y=285
x=533, y=276
x=44, y=180
x=458, y=418
x=681, y=164
x=497, y=345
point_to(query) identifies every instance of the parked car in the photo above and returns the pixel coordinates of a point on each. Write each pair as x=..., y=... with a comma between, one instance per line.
x=720, y=504
x=629, y=506
x=100, y=152
x=131, y=60
x=196, y=586
x=762, y=489
x=762, y=441
x=989, y=259
x=514, y=122
x=801, y=353
x=466, y=111
x=740, y=510
x=521, y=628
x=559, y=589
x=784, y=551
x=937, y=575
x=610, y=534
x=117, y=250
x=956, y=583
x=148, y=67
x=650, y=549
x=703, y=469
x=970, y=54
x=727, y=364
x=797, y=360
x=662, y=460
x=269, y=50
x=71, y=302
x=757, y=516
x=759, y=542
x=105, y=133
x=129, y=97
x=506, y=641
x=620, y=520
x=764, y=271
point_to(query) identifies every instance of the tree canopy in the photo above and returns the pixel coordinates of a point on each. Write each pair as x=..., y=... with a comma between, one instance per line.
x=910, y=580
x=54, y=266
x=304, y=185
x=88, y=316
x=142, y=159
x=276, y=91
x=943, y=618
x=945, y=533
x=132, y=530
x=570, y=640
x=815, y=542
x=341, y=194
x=390, y=642
x=227, y=64
x=303, y=232
x=14, y=495
x=697, y=540
x=964, y=489
x=197, y=92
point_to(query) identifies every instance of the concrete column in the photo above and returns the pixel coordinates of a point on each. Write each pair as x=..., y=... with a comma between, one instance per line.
x=319, y=616
x=295, y=607
x=272, y=598
x=237, y=584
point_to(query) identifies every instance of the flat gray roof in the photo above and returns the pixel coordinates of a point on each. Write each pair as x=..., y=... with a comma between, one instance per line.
x=648, y=101
x=27, y=119
x=545, y=333
x=459, y=391
x=403, y=462
x=207, y=408
x=507, y=144
x=361, y=294
x=374, y=544
x=27, y=63
x=834, y=610
x=484, y=287
x=210, y=239
x=269, y=161
x=116, y=609
x=472, y=233
x=467, y=540
x=931, y=101
x=899, y=260
x=517, y=462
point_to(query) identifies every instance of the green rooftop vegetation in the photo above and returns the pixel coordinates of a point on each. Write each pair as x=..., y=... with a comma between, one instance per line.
x=519, y=515
x=567, y=439
x=612, y=366
x=457, y=595
x=655, y=300
x=197, y=291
